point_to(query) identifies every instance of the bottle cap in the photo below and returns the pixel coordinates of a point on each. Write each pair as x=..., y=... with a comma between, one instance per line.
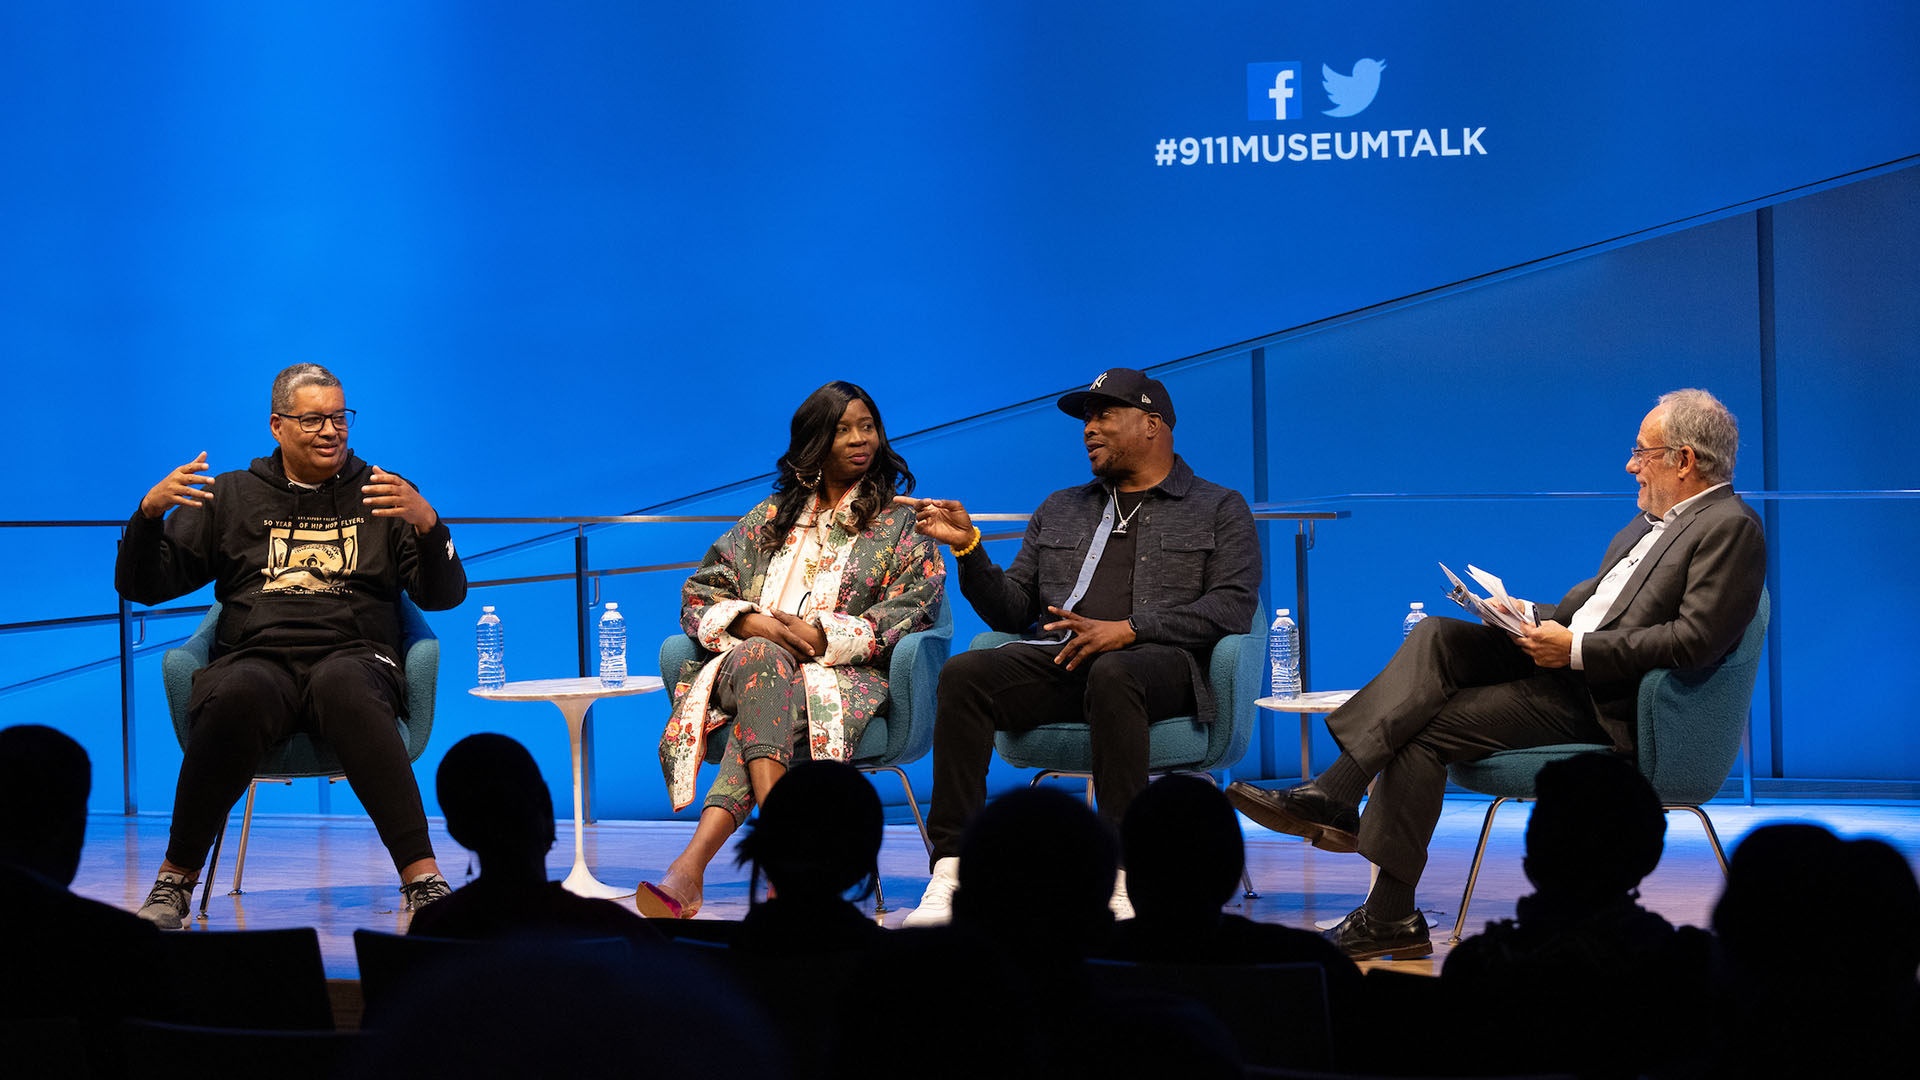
x=611, y=606
x=486, y=609
x=1417, y=605
x=1283, y=611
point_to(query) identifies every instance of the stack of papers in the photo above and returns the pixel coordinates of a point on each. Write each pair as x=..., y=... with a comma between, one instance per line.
x=1496, y=608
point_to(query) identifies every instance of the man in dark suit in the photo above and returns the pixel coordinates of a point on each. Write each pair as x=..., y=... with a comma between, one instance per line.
x=1676, y=589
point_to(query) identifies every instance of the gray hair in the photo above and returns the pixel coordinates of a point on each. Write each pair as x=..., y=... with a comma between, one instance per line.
x=1696, y=418
x=295, y=377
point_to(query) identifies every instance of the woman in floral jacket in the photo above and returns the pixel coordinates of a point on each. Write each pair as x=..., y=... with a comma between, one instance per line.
x=798, y=605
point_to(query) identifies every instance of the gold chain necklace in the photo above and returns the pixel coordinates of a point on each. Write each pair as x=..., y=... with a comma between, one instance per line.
x=823, y=527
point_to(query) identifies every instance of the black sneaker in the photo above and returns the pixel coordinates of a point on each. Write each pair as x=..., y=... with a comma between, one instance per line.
x=170, y=901
x=1363, y=937
x=424, y=890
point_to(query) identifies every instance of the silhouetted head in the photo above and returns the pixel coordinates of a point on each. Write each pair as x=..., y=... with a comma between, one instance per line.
x=836, y=437
x=1183, y=849
x=45, y=778
x=494, y=799
x=1597, y=828
x=1036, y=872
x=1790, y=913
x=818, y=832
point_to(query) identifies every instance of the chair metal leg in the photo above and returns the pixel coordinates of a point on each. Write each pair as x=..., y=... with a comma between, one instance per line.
x=1712, y=836
x=213, y=863
x=1048, y=774
x=912, y=802
x=1473, y=874
x=879, y=900
x=246, y=830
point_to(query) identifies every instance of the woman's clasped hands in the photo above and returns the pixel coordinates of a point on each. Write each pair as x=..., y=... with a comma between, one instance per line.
x=796, y=635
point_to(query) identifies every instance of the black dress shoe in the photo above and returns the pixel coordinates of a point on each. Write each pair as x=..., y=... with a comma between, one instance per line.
x=1299, y=811
x=1363, y=937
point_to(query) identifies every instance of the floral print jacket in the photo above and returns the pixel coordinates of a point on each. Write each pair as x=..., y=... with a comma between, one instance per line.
x=884, y=581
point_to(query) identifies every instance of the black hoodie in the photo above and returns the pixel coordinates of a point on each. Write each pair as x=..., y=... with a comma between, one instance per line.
x=293, y=567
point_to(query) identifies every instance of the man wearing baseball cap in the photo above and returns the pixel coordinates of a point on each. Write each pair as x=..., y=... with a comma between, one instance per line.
x=1120, y=590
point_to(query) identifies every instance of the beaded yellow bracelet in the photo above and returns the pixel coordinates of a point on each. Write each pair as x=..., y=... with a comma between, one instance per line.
x=963, y=552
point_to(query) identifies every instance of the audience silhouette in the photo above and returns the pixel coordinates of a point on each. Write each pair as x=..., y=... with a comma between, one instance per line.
x=1036, y=871
x=1581, y=955
x=1804, y=991
x=1583, y=981
x=497, y=805
x=68, y=956
x=1184, y=857
x=816, y=839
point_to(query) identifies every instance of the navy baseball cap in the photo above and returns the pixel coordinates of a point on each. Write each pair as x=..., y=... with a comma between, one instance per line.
x=1123, y=386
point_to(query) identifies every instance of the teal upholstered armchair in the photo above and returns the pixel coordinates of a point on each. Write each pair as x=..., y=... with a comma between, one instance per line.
x=1179, y=744
x=303, y=755
x=1690, y=728
x=903, y=733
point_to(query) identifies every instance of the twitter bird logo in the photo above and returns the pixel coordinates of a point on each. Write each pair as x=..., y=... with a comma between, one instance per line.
x=1351, y=94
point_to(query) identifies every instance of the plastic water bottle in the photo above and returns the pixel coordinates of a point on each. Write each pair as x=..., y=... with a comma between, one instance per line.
x=1414, y=615
x=1283, y=655
x=493, y=650
x=613, y=647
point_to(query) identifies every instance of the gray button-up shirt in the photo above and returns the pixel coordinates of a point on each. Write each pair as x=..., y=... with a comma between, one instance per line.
x=1196, y=577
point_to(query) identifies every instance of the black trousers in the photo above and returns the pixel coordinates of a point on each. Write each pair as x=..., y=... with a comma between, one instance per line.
x=1456, y=691
x=242, y=705
x=1017, y=687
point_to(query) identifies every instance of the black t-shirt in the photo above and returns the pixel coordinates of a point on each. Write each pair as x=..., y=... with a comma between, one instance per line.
x=1109, y=595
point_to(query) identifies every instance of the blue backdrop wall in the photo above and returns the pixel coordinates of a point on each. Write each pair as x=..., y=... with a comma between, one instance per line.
x=584, y=259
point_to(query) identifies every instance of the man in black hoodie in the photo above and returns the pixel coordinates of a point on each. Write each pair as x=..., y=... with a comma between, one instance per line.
x=308, y=551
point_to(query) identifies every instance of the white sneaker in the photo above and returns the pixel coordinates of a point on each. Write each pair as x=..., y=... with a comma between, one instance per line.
x=1121, y=907
x=936, y=904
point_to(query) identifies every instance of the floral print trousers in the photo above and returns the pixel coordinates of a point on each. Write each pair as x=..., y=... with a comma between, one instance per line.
x=760, y=686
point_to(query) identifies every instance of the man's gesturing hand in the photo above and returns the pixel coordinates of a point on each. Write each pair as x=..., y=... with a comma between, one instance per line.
x=391, y=496
x=183, y=486
x=1090, y=636
x=943, y=519
x=1550, y=644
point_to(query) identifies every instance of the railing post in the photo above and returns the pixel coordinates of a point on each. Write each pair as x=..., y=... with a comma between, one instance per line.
x=584, y=615
x=1263, y=534
x=128, y=794
x=1303, y=543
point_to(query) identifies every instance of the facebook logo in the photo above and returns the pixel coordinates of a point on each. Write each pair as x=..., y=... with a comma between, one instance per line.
x=1274, y=91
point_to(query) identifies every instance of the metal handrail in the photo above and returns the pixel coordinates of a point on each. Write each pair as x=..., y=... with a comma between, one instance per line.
x=1529, y=496
x=1324, y=508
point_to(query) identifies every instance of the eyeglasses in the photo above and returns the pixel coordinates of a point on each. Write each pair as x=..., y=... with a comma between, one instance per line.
x=312, y=422
x=1638, y=450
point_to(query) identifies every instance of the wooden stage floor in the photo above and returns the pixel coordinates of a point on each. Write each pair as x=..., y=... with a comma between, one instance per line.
x=332, y=874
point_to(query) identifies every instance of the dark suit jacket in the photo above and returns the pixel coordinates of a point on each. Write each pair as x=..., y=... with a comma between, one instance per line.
x=1686, y=605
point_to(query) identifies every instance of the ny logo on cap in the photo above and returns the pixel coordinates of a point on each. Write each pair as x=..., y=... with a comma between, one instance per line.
x=1098, y=381
x=1145, y=400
